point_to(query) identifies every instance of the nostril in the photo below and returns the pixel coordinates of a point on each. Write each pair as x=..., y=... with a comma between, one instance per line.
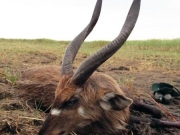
x=62, y=132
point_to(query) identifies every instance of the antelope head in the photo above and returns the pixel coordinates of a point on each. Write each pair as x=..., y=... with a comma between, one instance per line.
x=87, y=99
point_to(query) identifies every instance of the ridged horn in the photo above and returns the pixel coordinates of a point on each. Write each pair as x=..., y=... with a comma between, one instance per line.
x=73, y=47
x=93, y=62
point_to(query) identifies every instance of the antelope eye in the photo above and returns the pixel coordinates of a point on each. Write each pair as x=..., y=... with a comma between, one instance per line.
x=72, y=102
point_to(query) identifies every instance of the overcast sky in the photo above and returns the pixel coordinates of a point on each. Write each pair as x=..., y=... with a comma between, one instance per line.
x=64, y=19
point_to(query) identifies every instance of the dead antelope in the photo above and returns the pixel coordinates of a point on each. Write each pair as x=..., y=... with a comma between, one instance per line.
x=84, y=100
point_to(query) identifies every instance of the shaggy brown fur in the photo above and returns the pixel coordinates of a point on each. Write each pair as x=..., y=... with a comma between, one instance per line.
x=84, y=99
x=39, y=85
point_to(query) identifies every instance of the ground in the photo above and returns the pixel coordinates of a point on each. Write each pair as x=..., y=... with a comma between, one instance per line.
x=17, y=117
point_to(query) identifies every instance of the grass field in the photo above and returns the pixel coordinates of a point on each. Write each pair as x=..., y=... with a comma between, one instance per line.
x=138, y=64
x=150, y=54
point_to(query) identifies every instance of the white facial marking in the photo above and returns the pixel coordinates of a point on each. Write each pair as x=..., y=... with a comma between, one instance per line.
x=82, y=112
x=55, y=112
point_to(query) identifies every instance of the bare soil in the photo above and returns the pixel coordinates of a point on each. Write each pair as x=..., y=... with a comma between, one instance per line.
x=17, y=117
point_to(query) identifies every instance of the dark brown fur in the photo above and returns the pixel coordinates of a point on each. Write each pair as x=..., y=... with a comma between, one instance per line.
x=39, y=84
x=83, y=99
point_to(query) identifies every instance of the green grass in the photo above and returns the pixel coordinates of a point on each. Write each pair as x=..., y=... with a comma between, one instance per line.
x=11, y=76
x=156, y=53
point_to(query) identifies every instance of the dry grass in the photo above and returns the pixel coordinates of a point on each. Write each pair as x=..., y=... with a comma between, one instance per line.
x=136, y=58
x=138, y=55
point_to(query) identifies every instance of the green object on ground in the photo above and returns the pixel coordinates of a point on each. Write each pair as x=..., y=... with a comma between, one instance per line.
x=165, y=88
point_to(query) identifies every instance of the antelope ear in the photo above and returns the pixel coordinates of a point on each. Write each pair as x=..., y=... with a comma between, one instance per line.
x=114, y=101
